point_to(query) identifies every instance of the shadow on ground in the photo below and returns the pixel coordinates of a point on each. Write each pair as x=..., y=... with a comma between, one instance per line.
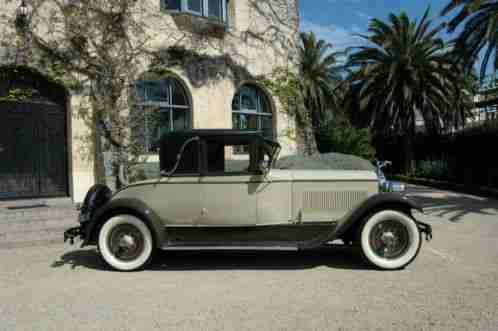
x=336, y=256
x=451, y=205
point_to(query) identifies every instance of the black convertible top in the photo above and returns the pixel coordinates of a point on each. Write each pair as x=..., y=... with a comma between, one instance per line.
x=172, y=143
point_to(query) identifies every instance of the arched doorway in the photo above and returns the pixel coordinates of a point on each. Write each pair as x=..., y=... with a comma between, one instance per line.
x=33, y=135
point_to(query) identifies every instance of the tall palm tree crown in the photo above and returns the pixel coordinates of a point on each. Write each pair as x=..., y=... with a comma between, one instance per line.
x=406, y=72
x=480, y=30
x=320, y=77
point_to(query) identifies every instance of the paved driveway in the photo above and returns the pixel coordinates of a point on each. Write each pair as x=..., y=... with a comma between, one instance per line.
x=453, y=285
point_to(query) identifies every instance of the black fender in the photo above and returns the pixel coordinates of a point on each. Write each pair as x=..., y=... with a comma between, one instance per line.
x=130, y=206
x=380, y=201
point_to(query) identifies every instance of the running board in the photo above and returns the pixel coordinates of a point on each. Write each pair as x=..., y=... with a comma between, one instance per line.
x=228, y=248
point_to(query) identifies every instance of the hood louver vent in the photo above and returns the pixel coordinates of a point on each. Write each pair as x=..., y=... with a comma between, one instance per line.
x=341, y=200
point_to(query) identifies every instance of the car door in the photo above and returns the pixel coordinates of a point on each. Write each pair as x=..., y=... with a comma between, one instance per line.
x=227, y=189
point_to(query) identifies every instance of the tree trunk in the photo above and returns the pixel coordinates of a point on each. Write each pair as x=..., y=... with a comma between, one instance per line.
x=306, y=140
x=409, y=154
x=98, y=156
x=307, y=145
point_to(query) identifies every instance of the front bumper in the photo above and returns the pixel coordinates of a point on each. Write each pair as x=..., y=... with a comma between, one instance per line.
x=426, y=229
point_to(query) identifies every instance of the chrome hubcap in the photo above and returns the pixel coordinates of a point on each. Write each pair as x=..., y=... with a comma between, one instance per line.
x=389, y=239
x=126, y=242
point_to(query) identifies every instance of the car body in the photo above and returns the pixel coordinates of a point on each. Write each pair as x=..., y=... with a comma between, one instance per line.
x=200, y=201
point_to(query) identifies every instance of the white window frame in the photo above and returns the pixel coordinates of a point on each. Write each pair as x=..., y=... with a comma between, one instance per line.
x=204, y=9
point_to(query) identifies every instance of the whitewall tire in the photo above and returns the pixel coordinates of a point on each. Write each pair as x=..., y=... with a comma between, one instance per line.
x=125, y=243
x=389, y=239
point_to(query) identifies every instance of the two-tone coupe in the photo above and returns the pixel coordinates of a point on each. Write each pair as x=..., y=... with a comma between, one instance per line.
x=204, y=200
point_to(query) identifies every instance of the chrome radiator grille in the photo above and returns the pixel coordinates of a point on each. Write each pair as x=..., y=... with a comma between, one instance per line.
x=342, y=200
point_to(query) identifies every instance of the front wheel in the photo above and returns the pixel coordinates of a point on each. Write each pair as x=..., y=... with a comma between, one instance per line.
x=125, y=243
x=389, y=239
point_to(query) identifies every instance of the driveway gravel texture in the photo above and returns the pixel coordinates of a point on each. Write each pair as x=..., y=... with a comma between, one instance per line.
x=452, y=285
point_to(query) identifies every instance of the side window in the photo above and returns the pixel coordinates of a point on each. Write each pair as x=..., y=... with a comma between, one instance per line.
x=222, y=160
x=189, y=163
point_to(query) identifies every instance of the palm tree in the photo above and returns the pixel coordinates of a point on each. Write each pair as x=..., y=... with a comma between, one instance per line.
x=480, y=21
x=320, y=78
x=406, y=72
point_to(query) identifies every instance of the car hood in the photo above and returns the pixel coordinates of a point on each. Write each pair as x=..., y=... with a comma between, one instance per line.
x=323, y=175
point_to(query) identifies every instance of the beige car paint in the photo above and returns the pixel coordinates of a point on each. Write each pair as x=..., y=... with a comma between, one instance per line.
x=228, y=200
x=280, y=197
x=177, y=200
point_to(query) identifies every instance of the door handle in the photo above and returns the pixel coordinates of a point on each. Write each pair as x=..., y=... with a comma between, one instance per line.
x=2, y=149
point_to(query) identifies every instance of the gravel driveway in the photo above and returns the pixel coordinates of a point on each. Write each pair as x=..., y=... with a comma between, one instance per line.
x=453, y=285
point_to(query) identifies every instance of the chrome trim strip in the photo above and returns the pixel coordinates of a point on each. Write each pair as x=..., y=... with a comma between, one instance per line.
x=229, y=248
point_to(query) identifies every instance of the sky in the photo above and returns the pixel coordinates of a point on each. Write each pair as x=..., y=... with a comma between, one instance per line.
x=337, y=20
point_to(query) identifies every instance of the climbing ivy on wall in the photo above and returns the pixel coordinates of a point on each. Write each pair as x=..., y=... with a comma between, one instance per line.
x=22, y=83
x=18, y=95
x=284, y=85
x=200, y=69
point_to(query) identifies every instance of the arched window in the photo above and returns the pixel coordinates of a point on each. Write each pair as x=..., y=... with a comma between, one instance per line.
x=251, y=110
x=162, y=106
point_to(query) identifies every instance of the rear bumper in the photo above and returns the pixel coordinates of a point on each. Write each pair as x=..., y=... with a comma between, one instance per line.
x=80, y=232
x=72, y=233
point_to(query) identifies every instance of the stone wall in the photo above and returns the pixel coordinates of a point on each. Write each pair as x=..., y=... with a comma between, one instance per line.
x=262, y=36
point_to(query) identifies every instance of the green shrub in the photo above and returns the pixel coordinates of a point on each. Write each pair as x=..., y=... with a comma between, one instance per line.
x=343, y=137
x=433, y=169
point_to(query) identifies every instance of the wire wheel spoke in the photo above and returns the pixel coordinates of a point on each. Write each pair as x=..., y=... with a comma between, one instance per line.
x=389, y=239
x=126, y=242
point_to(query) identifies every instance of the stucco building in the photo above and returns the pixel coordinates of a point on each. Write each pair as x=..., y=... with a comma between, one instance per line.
x=223, y=47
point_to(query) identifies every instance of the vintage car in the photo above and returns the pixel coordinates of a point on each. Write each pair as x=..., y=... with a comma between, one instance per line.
x=201, y=201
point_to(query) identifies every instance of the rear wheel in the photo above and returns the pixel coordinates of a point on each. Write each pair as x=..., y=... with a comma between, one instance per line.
x=125, y=243
x=389, y=239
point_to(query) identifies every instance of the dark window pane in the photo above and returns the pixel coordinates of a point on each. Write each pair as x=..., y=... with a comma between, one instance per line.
x=215, y=8
x=236, y=102
x=264, y=106
x=248, y=99
x=179, y=97
x=173, y=4
x=156, y=91
x=180, y=119
x=246, y=122
x=216, y=157
x=267, y=126
x=220, y=158
x=252, y=122
x=235, y=121
x=195, y=5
